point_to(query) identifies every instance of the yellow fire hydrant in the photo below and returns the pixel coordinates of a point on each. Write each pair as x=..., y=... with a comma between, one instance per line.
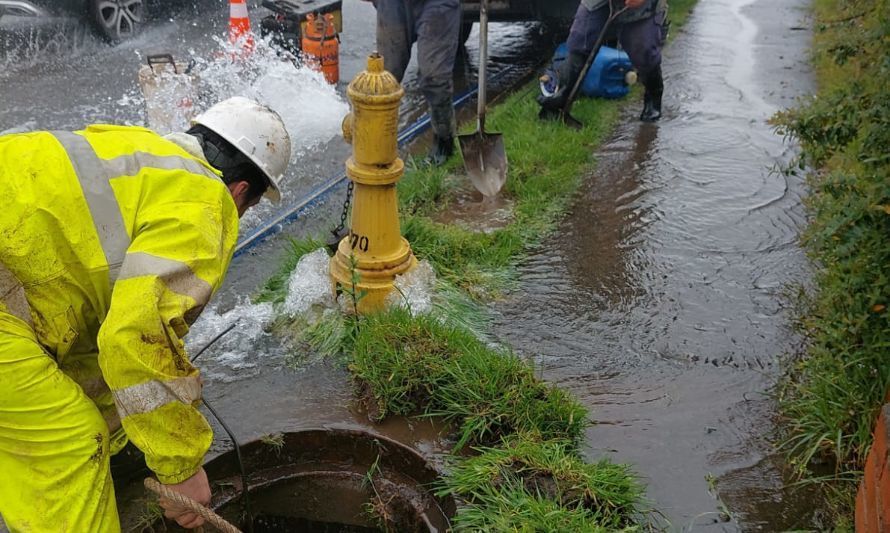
x=374, y=253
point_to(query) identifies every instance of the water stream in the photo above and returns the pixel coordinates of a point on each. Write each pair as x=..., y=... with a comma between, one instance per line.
x=660, y=303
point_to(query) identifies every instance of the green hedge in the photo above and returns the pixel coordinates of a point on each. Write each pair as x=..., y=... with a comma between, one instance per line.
x=833, y=394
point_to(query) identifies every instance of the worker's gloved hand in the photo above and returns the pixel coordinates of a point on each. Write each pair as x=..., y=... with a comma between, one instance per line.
x=197, y=488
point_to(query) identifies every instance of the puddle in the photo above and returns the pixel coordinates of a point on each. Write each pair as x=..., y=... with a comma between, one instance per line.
x=471, y=210
x=660, y=302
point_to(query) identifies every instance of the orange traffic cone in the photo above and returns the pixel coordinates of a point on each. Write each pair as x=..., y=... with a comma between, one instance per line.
x=239, y=26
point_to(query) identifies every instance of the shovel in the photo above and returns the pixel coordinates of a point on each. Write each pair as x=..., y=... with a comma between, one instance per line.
x=565, y=114
x=484, y=156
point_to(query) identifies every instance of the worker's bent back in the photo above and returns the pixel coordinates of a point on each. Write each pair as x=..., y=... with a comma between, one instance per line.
x=117, y=238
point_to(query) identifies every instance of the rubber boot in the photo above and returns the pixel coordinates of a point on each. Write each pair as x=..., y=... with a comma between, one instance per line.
x=654, y=85
x=567, y=74
x=442, y=149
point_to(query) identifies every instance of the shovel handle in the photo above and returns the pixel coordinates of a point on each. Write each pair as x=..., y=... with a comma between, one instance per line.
x=482, y=98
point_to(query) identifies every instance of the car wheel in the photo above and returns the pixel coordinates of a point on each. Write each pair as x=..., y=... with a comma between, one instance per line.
x=117, y=20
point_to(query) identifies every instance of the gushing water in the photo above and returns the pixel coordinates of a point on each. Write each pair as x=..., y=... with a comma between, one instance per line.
x=234, y=356
x=309, y=286
x=311, y=108
x=414, y=289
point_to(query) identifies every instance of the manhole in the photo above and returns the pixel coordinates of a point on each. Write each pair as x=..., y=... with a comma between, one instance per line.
x=330, y=480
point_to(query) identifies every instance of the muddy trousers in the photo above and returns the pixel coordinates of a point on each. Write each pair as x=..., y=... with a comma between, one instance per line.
x=54, y=444
x=435, y=26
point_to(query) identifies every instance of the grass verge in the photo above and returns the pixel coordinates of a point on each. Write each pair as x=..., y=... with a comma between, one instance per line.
x=408, y=365
x=833, y=394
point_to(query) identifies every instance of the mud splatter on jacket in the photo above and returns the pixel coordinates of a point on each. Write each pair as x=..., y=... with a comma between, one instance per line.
x=118, y=238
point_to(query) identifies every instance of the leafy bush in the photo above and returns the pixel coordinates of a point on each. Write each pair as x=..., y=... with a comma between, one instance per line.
x=834, y=393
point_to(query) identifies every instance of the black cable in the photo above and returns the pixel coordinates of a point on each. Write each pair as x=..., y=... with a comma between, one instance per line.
x=213, y=341
x=245, y=497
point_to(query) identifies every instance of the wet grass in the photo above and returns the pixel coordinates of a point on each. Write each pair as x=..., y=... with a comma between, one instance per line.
x=274, y=441
x=547, y=163
x=833, y=394
x=415, y=365
x=149, y=515
x=527, y=475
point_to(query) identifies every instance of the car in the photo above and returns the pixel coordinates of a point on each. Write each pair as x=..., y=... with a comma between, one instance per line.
x=557, y=14
x=115, y=20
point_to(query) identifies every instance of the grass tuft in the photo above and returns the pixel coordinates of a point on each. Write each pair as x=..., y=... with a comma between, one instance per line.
x=528, y=468
x=408, y=365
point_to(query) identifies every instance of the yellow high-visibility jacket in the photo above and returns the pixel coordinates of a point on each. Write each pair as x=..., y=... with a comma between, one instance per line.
x=118, y=238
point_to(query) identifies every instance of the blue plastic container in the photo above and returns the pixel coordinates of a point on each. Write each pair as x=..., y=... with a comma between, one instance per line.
x=606, y=77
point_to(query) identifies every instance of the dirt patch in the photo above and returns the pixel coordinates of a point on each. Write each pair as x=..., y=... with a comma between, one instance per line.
x=100, y=451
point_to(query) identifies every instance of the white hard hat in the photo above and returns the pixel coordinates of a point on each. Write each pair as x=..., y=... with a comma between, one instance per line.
x=255, y=130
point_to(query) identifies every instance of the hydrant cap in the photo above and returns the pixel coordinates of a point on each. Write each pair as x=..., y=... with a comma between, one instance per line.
x=375, y=63
x=375, y=85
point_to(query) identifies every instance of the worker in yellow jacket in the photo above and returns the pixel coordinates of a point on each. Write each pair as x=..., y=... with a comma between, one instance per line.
x=112, y=240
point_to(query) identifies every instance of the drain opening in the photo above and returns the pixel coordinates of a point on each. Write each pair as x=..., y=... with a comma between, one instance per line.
x=331, y=480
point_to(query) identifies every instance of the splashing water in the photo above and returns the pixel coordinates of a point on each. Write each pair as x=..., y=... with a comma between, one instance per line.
x=309, y=286
x=234, y=356
x=311, y=108
x=414, y=289
x=24, y=45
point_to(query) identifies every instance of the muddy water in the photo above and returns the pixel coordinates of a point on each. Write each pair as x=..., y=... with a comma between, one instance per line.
x=660, y=304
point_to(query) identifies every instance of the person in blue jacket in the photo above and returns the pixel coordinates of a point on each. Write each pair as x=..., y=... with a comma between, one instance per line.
x=641, y=30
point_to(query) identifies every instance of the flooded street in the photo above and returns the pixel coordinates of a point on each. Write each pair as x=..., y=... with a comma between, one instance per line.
x=659, y=303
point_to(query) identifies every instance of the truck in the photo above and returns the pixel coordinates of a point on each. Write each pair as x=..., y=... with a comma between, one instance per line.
x=556, y=14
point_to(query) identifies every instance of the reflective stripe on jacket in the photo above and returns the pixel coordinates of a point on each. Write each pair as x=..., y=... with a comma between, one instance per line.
x=118, y=238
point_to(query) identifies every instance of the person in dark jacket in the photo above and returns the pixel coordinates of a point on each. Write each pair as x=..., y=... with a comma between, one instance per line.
x=435, y=26
x=641, y=30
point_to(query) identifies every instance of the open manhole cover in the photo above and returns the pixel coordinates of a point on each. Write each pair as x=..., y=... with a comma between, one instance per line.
x=329, y=480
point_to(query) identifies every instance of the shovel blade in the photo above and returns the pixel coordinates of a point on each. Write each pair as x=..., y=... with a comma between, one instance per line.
x=485, y=160
x=560, y=114
x=572, y=122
